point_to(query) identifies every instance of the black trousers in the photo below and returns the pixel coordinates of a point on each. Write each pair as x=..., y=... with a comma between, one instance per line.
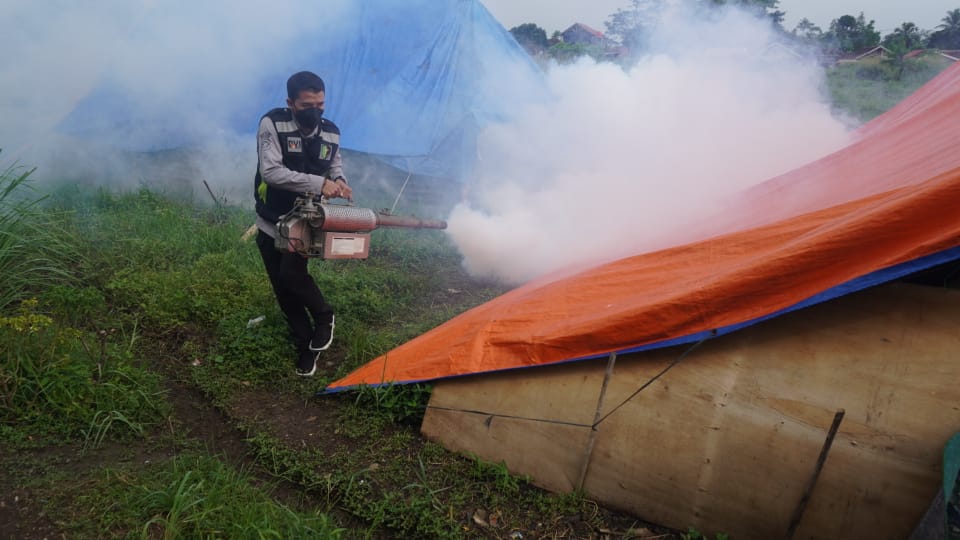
x=296, y=291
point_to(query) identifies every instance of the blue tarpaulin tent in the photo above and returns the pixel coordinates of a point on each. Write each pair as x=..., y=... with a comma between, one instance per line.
x=410, y=82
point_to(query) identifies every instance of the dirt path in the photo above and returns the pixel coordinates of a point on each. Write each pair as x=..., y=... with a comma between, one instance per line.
x=302, y=423
x=26, y=509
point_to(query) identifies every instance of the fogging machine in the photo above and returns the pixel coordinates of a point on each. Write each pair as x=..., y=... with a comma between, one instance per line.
x=337, y=231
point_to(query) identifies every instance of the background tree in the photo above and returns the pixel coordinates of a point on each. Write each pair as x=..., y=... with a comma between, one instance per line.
x=627, y=26
x=531, y=37
x=905, y=38
x=947, y=35
x=565, y=53
x=766, y=8
x=851, y=34
x=808, y=31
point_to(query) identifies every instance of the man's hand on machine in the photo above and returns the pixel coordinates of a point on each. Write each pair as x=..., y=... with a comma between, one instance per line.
x=333, y=189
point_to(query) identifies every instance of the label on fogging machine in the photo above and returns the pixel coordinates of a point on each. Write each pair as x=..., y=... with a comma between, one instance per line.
x=346, y=246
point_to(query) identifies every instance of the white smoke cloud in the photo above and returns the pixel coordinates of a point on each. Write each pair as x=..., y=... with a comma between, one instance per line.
x=616, y=162
x=200, y=61
x=609, y=162
x=52, y=57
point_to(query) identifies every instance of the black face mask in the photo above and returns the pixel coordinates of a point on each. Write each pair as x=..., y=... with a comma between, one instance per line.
x=309, y=118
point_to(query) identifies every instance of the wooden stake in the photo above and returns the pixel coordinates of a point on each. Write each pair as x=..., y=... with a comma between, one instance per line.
x=596, y=419
x=210, y=191
x=802, y=505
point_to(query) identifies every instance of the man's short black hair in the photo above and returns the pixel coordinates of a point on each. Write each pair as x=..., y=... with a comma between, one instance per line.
x=304, y=80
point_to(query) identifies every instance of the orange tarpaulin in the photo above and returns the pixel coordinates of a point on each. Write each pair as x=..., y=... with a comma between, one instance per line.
x=886, y=205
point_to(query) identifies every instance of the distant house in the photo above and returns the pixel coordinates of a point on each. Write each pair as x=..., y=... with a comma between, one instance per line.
x=779, y=51
x=581, y=34
x=951, y=55
x=827, y=59
x=882, y=52
x=877, y=52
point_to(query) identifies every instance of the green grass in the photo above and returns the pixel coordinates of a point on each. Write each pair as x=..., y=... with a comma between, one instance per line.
x=172, y=285
x=35, y=251
x=694, y=534
x=394, y=403
x=191, y=496
x=60, y=383
x=868, y=88
x=176, y=268
x=414, y=490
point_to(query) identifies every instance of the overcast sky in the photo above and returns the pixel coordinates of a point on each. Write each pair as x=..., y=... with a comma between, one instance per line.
x=560, y=14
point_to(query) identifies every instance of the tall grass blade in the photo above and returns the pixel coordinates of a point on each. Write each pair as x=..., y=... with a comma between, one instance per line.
x=35, y=251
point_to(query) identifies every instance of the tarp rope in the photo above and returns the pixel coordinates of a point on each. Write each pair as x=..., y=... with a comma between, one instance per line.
x=490, y=415
x=663, y=372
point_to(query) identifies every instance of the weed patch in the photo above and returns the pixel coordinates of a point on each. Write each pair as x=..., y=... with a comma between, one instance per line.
x=197, y=496
x=61, y=382
x=404, y=404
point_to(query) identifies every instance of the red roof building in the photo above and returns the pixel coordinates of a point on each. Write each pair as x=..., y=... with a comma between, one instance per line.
x=581, y=34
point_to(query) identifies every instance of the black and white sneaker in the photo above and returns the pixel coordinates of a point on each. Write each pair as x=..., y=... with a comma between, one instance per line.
x=323, y=335
x=307, y=363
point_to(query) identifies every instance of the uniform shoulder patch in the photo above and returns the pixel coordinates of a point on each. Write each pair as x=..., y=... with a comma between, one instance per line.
x=265, y=140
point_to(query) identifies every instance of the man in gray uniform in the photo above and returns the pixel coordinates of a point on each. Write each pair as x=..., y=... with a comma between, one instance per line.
x=298, y=152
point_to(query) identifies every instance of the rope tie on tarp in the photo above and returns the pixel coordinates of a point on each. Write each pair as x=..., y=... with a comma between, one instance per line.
x=490, y=416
